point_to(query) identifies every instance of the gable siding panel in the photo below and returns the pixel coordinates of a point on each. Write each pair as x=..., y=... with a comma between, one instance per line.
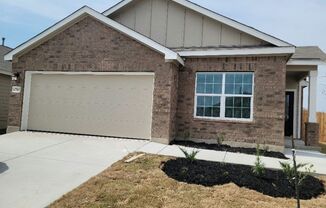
x=159, y=20
x=211, y=32
x=127, y=17
x=247, y=40
x=143, y=17
x=193, y=29
x=230, y=36
x=176, y=24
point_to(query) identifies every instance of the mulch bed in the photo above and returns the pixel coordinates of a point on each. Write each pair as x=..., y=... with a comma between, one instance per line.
x=2, y=131
x=207, y=173
x=227, y=148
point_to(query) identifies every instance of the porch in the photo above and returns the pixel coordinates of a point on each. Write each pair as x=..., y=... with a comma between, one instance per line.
x=302, y=72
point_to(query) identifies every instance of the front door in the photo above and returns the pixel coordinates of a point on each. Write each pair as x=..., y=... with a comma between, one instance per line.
x=289, y=109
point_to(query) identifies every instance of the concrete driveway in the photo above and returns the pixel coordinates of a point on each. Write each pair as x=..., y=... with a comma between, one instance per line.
x=38, y=168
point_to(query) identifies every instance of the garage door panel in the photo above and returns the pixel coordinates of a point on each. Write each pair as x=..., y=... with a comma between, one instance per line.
x=110, y=105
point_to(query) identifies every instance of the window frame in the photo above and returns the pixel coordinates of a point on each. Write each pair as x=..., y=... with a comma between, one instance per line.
x=223, y=98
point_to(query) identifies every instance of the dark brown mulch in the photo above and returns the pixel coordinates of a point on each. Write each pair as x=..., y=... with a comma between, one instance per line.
x=273, y=183
x=2, y=131
x=227, y=148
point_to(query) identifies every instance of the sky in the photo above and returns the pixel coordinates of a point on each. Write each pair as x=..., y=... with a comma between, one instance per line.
x=300, y=22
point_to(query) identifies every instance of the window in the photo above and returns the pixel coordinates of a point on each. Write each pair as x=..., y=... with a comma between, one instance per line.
x=224, y=95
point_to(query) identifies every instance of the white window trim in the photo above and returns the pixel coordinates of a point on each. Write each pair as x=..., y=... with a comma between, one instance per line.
x=223, y=96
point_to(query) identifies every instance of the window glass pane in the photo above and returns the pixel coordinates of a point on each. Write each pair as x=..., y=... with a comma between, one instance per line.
x=200, y=78
x=208, y=101
x=217, y=89
x=209, y=88
x=200, y=88
x=242, y=84
x=229, y=102
x=247, y=89
x=229, y=88
x=229, y=112
x=229, y=78
x=237, y=107
x=247, y=78
x=208, y=112
x=237, y=113
x=246, y=113
x=237, y=102
x=209, y=78
x=238, y=89
x=246, y=102
x=216, y=112
x=238, y=78
x=218, y=78
x=200, y=101
x=216, y=101
x=208, y=106
x=200, y=111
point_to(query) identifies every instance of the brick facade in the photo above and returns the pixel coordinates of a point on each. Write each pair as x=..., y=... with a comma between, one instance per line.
x=312, y=134
x=91, y=46
x=268, y=124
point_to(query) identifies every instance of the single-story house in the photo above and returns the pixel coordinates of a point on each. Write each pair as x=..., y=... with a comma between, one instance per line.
x=5, y=86
x=163, y=70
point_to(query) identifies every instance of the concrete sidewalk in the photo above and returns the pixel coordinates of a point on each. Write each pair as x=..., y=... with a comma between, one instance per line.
x=312, y=157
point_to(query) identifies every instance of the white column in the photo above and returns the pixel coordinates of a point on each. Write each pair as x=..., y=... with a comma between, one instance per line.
x=302, y=84
x=312, y=102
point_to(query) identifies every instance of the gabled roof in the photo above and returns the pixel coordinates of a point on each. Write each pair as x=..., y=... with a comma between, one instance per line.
x=79, y=15
x=218, y=17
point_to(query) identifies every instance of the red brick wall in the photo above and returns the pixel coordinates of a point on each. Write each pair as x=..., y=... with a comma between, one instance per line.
x=269, y=99
x=91, y=46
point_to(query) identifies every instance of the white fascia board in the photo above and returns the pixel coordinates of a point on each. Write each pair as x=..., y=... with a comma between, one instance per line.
x=116, y=7
x=297, y=62
x=225, y=20
x=238, y=52
x=169, y=54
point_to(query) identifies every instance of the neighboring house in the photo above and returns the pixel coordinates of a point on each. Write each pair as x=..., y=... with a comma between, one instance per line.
x=163, y=70
x=5, y=86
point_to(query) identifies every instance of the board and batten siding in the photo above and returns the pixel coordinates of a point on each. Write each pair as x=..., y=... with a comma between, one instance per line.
x=4, y=99
x=176, y=26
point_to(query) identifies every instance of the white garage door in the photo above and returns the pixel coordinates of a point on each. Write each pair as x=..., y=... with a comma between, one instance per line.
x=108, y=105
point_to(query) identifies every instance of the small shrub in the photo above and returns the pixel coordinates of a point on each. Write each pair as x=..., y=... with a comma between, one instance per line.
x=220, y=139
x=289, y=171
x=190, y=156
x=259, y=168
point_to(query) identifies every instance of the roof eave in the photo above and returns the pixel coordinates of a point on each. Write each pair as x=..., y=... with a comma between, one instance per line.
x=306, y=62
x=239, y=52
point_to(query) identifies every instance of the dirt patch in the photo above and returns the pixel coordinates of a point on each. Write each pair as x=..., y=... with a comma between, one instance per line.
x=207, y=173
x=227, y=148
x=142, y=184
